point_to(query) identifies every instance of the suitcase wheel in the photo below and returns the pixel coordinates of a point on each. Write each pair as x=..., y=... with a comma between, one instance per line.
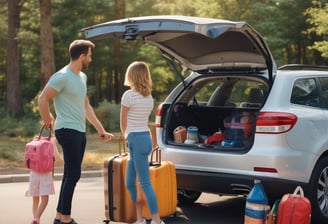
x=106, y=221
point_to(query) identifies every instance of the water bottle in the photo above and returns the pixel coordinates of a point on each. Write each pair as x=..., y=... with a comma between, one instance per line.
x=256, y=205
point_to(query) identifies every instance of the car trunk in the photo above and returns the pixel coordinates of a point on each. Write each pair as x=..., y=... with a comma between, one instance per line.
x=216, y=128
x=215, y=113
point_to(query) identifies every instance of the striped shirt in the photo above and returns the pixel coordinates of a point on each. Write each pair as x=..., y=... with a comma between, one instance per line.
x=140, y=108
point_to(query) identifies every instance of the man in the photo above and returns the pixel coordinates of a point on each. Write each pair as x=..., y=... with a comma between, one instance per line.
x=68, y=89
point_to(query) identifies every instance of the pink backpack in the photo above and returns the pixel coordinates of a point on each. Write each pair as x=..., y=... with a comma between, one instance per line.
x=39, y=154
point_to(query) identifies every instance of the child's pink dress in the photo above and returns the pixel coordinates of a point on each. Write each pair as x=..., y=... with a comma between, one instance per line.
x=41, y=184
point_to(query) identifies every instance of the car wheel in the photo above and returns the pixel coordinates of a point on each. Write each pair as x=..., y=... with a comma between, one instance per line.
x=188, y=197
x=318, y=192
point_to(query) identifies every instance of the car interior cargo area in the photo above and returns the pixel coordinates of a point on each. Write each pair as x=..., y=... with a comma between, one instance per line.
x=209, y=128
x=217, y=114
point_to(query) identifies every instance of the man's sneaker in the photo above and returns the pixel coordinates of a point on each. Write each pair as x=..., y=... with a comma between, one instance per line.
x=140, y=222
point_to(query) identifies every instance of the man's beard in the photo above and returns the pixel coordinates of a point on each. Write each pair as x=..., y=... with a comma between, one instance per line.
x=85, y=65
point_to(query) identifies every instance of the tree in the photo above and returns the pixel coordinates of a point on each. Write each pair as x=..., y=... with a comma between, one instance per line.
x=318, y=20
x=119, y=9
x=14, y=93
x=3, y=39
x=46, y=42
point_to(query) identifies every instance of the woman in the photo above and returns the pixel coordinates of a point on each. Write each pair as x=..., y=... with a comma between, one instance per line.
x=136, y=106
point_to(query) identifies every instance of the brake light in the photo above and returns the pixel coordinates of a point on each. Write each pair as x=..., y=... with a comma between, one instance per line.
x=275, y=122
x=158, y=116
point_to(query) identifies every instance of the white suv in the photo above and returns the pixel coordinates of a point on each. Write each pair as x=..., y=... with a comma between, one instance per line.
x=236, y=117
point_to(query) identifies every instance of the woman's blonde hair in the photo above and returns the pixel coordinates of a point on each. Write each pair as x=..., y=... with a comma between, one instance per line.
x=138, y=77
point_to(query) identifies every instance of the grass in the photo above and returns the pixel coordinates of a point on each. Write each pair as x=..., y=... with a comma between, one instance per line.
x=12, y=152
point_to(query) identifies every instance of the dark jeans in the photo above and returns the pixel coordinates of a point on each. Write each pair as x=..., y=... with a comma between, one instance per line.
x=73, y=144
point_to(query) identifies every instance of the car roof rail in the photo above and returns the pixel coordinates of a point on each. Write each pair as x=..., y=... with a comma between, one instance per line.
x=304, y=67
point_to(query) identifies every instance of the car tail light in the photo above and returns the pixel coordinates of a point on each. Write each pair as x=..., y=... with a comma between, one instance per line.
x=275, y=122
x=158, y=117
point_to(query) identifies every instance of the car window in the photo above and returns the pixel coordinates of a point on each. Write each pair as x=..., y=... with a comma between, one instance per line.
x=203, y=94
x=233, y=92
x=305, y=92
x=324, y=90
x=246, y=93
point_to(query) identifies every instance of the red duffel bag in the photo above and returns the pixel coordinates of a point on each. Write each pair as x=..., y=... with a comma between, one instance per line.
x=294, y=208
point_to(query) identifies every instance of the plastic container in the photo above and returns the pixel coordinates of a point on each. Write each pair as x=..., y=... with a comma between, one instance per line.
x=257, y=206
x=192, y=134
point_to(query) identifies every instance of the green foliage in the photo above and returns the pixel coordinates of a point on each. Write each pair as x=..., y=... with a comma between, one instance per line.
x=163, y=76
x=25, y=126
x=10, y=155
x=318, y=20
x=109, y=115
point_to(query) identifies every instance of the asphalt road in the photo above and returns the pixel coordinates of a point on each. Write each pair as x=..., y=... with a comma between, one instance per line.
x=88, y=206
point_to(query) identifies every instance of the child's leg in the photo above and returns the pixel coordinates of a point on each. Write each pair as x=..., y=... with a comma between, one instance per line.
x=35, y=206
x=42, y=206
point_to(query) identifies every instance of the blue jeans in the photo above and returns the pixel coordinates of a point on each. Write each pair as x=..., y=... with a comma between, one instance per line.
x=140, y=146
x=73, y=144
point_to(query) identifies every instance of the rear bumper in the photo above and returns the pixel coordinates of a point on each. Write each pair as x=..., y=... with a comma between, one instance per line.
x=222, y=183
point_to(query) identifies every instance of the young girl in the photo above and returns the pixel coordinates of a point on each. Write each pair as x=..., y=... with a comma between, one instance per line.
x=136, y=106
x=41, y=185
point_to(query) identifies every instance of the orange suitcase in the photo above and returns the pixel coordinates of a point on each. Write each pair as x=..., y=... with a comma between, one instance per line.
x=163, y=178
x=118, y=205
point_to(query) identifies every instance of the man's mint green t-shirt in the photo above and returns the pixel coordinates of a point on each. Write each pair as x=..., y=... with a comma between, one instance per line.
x=70, y=99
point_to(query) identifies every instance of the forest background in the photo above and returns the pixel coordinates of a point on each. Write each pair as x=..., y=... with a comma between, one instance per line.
x=36, y=34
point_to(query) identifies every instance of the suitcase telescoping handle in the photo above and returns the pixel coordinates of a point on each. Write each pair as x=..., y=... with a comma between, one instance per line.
x=121, y=145
x=157, y=161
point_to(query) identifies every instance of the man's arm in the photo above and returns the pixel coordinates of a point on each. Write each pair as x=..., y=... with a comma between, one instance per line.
x=92, y=118
x=45, y=97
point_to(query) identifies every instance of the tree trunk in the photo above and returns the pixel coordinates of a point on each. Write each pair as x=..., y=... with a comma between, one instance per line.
x=118, y=75
x=46, y=42
x=14, y=92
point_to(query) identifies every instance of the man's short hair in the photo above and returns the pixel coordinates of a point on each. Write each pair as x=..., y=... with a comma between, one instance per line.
x=78, y=47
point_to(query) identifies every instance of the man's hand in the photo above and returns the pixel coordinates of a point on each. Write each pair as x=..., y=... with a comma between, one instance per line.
x=48, y=122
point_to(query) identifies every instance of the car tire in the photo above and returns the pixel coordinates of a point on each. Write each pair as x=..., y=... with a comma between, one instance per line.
x=318, y=192
x=188, y=197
